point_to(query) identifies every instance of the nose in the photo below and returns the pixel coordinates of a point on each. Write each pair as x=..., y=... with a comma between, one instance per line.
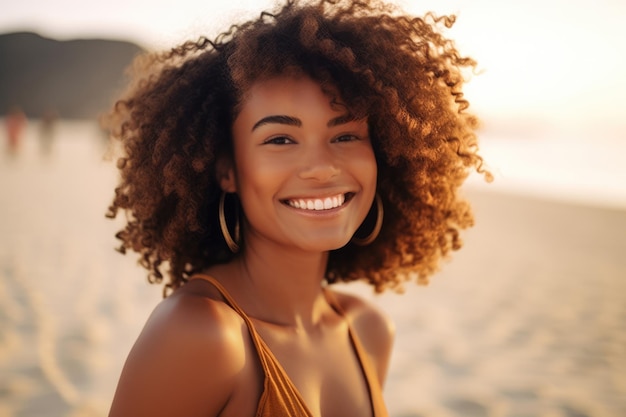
x=318, y=163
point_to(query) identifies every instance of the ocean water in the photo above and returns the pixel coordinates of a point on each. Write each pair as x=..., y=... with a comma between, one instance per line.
x=584, y=166
x=528, y=319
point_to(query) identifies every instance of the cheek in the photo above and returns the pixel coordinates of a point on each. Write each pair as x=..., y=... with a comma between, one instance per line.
x=253, y=168
x=367, y=167
x=258, y=177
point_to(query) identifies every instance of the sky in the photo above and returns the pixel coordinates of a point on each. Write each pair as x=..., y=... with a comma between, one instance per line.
x=541, y=62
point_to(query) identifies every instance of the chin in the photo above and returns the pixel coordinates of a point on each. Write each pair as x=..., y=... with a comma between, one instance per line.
x=328, y=245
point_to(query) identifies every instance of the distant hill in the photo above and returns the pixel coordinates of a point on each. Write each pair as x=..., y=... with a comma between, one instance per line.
x=75, y=78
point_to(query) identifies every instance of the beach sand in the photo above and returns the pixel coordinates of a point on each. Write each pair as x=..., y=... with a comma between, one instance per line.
x=528, y=319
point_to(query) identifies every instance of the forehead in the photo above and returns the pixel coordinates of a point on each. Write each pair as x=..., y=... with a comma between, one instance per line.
x=289, y=93
x=297, y=89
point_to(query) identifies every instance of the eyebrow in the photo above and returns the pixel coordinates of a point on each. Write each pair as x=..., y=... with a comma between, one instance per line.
x=294, y=121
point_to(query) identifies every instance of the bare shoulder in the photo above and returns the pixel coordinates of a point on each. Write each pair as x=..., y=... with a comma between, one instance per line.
x=367, y=319
x=373, y=327
x=194, y=320
x=186, y=359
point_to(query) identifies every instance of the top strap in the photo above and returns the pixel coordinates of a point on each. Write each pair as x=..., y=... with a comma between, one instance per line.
x=369, y=370
x=229, y=300
x=280, y=396
x=256, y=338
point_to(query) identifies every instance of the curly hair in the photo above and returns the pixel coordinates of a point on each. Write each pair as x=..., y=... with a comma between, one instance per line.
x=174, y=122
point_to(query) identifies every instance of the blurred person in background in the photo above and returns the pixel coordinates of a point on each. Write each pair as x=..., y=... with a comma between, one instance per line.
x=15, y=124
x=47, y=126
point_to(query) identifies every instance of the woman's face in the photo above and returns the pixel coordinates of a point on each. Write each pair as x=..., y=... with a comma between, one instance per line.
x=304, y=171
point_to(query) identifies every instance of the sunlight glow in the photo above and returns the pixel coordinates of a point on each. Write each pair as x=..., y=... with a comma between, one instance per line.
x=559, y=60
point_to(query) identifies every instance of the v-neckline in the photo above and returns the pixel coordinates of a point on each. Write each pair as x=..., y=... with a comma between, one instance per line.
x=261, y=346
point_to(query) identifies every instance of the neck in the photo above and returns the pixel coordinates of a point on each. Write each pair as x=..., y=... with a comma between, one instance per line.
x=282, y=287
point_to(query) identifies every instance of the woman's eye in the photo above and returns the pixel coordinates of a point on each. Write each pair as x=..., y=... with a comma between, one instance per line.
x=346, y=138
x=278, y=140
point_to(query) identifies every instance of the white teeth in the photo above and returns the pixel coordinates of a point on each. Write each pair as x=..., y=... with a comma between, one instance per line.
x=318, y=204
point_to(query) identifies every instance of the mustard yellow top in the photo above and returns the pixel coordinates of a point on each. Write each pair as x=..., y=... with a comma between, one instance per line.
x=280, y=397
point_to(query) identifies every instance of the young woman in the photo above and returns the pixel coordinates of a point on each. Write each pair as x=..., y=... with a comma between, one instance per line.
x=322, y=143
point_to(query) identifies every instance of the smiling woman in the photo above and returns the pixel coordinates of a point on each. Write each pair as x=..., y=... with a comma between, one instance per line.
x=295, y=158
x=264, y=166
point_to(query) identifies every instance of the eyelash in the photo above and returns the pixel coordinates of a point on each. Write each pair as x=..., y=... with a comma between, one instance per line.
x=278, y=140
x=349, y=136
x=284, y=140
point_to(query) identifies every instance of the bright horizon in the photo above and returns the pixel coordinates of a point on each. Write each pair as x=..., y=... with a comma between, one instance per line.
x=559, y=63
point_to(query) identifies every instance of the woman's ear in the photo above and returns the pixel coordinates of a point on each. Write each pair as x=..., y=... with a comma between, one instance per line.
x=225, y=172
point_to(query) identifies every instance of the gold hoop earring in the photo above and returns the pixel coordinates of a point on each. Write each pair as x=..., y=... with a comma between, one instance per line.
x=379, y=224
x=232, y=243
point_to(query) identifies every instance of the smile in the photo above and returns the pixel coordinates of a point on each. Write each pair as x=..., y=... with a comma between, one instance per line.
x=318, y=204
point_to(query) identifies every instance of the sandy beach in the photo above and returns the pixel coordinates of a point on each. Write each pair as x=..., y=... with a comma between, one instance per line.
x=528, y=319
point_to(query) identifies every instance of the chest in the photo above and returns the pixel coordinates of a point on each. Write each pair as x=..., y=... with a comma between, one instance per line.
x=326, y=370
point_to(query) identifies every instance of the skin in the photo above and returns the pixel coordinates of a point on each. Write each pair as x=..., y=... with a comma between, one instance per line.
x=195, y=356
